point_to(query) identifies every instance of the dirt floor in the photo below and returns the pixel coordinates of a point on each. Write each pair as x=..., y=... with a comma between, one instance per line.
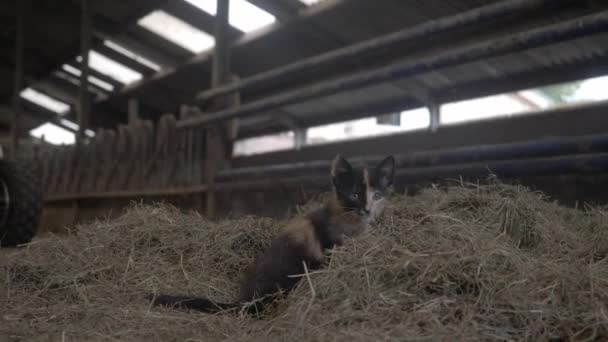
x=467, y=263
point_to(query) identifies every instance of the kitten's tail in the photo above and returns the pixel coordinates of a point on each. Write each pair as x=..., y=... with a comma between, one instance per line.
x=194, y=303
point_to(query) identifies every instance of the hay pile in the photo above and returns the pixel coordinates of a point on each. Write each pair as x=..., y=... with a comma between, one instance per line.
x=490, y=262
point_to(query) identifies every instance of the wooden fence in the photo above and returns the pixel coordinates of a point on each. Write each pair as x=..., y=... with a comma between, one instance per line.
x=133, y=159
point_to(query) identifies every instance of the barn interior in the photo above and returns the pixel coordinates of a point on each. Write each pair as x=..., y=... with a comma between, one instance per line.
x=157, y=80
x=232, y=108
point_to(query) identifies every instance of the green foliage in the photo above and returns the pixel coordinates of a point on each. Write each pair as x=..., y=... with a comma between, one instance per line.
x=562, y=92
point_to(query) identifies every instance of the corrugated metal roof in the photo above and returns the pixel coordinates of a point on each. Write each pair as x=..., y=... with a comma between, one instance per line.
x=301, y=33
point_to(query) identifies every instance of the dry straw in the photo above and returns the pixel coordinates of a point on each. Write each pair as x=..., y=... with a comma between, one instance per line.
x=466, y=263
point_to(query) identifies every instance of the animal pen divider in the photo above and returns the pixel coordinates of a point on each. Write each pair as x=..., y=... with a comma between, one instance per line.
x=140, y=160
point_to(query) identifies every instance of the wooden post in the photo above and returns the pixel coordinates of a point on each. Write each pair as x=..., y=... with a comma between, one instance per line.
x=133, y=111
x=435, y=112
x=215, y=144
x=299, y=138
x=18, y=77
x=221, y=54
x=85, y=47
x=184, y=111
x=232, y=126
x=299, y=133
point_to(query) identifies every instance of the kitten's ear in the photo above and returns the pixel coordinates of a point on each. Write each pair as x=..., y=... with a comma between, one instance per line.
x=341, y=171
x=385, y=172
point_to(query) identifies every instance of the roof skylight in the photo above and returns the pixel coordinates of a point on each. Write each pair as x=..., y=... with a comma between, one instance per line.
x=134, y=56
x=69, y=124
x=177, y=31
x=242, y=14
x=92, y=79
x=53, y=134
x=45, y=101
x=310, y=2
x=74, y=126
x=111, y=68
x=593, y=89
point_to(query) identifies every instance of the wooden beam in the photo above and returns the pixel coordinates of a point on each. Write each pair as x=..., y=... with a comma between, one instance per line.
x=124, y=60
x=92, y=72
x=220, y=71
x=566, y=72
x=244, y=41
x=44, y=115
x=281, y=9
x=133, y=111
x=69, y=85
x=552, y=34
x=168, y=47
x=177, y=191
x=397, y=103
x=457, y=92
x=58, y=90
x=435, y=112
x=196, y=17
x=299, y=137
x=112, y=29
x=20, y=36
x=85, y=46
x=139, y=47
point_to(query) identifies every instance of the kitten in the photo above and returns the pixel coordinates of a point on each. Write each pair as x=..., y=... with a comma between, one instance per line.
x=359, y=199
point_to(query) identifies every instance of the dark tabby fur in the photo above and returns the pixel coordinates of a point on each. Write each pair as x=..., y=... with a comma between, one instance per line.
x=359, y=199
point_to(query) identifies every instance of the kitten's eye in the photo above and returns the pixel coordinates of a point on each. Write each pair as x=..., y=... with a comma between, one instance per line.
x=355, y=196
x=377, y=196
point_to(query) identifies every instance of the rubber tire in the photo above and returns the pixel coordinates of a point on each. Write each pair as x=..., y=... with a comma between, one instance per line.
x=25, y=206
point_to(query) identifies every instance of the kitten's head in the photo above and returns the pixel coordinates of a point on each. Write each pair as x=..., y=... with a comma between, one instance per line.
x=379, y=185
x=363, y=191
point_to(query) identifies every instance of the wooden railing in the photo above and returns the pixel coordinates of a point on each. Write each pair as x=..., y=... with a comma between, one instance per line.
x=135, y=159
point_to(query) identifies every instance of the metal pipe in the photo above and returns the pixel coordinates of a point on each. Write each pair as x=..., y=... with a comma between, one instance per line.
x=473, y=16
x=568, y=30
x=560, y=165
x=588, y=163
x=549, y=147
